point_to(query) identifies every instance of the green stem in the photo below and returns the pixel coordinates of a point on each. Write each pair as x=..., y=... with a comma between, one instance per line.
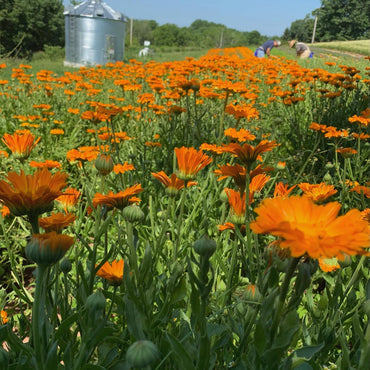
x=283, y=293
x=38, y=317
x=179, y=223
x=133, y=253
x=231, y=273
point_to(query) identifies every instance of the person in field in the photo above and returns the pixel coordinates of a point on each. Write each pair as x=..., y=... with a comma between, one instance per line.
x=266, y=48
x=302, y=50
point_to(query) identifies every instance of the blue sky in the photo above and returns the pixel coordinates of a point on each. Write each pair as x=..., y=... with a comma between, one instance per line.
x=269, y=17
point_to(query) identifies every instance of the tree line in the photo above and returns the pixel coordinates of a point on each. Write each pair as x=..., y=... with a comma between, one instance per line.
x=28, y=26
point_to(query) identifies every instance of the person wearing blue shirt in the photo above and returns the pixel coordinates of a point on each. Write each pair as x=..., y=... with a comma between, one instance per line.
x=265, y=48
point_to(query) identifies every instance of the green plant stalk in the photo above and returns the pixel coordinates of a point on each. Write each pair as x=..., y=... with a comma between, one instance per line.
x=179, y=222
x=133, y=254
x=365, y=351
x=164, y=224
x=283, y=293
x=34, y=221
x=38, y=317
x=231, y=273
x=349, y=287
x=204, y=345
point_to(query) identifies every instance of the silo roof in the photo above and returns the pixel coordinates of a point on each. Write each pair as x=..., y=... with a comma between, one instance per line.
x=95, y=9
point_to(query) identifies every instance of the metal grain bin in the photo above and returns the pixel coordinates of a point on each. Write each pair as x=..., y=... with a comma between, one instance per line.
x=94, y=34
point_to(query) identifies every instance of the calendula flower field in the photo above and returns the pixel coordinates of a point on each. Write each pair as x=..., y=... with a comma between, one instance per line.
x=208, y=213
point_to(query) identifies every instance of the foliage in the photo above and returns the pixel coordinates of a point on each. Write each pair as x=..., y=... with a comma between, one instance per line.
x=300, y=30
x=200, y=286
x=201, y=34
x=343, y=20
x=26, y=26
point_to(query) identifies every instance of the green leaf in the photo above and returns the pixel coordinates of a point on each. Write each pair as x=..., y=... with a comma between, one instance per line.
x=180, y=353
x=308, y=352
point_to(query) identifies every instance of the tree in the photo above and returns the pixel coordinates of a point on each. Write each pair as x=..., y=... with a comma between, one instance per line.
x=26, y=26
x=300, y=29
x=343, y=20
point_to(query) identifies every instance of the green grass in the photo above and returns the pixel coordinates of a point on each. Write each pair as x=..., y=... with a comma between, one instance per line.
x=358, y=46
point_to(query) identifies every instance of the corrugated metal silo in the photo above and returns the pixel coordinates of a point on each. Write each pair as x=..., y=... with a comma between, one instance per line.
x=94, y=34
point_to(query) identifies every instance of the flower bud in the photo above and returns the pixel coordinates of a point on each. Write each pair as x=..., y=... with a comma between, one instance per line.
x=104, y=164
x=133, y=213
x=66, y=265
x=142, y=353
x=205, y=246
x=47, y=249
x=223, y=197
x=95, y=303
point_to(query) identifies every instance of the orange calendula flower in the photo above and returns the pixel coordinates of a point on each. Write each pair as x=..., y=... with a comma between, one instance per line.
x=190, y=162
x=56, y=222
x=247, y=153
x=360, y=189
x=31, y=194
x=119, y=200
x=241, y=135
x=237, y=206
x=69, y=199
x=317, y=192
x=173, y=184
x=283, y=190
x=237, y=172
x=113, y=272
x=20, y=145
x=4, y=210
x=3, y=153
x=122, y=168
x=3, y=317
x=328, y=265
x=47, y=164
x=47, y=249
x=347, y=152
x=308, y=228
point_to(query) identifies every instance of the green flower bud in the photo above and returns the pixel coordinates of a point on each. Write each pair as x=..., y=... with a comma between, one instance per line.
x=223, y=197
x=133, y=213
x=142, y=353
x=104, y=164
x=47, y=249
x=65, y=265
x=327, y=178
x=95, y=303
x=205, y=246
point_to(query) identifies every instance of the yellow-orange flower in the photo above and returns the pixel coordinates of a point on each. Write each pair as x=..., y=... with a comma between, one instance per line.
x=31, y=194
x=3, y=317
x=306, y=227
x=173, y=184
x=120, y=200
x=122, y=168
x=237, y=206
x=47, y=249
x=247, y=153
x=190, y=162
x=48, y=164
x=283, y=190
x=20, y=145
x=56, y=222
x=317, y=192
x=328, y=265
x=112, y=272
x=69, y=199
